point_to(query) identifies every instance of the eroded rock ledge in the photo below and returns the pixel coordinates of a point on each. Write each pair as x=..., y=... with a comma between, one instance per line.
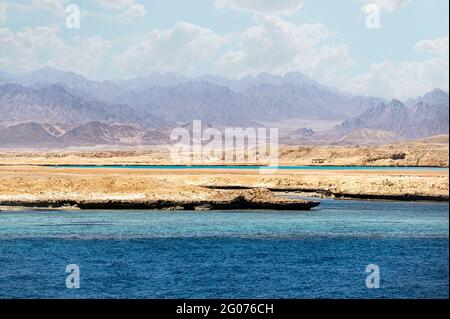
x=341, y=195
x=249, y=199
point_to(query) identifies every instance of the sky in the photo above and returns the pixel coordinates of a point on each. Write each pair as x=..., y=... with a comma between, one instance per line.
x=387, y=48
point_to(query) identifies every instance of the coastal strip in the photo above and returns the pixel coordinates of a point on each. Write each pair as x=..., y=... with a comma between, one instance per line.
x=314, y=192
x=258, y=199
x=101, y=188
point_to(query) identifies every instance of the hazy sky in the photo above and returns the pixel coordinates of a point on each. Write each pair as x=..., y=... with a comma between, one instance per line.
x=327, y=40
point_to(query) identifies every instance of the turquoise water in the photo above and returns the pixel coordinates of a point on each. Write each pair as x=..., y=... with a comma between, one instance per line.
x=253, y=167
x=320, y=253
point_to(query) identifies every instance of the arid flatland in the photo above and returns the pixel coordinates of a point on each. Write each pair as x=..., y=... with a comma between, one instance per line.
x=23, y=179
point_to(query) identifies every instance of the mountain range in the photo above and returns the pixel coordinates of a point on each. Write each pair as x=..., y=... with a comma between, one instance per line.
x=426, y=117
x=173, y=97
x=53, y=108
x=55, y=103
x=32, y=135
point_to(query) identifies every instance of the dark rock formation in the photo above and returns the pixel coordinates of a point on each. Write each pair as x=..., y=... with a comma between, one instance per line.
x=250, y=199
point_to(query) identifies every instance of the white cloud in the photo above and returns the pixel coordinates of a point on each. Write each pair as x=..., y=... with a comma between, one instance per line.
x=409, y=78
x=270, y=7
x=129, y=8
x=178, y=49
x=36, y=47
x=277, y=46
x=135, y=10
x=386, y=5
x=56, y=6
x=2, y=12
x=434, y=46
x=114, y=4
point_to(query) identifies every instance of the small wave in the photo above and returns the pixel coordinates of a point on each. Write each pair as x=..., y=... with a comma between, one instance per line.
x=75, y=224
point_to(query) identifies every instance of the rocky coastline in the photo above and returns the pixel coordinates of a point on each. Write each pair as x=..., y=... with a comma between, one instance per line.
x=313, y=192
x=255, y=199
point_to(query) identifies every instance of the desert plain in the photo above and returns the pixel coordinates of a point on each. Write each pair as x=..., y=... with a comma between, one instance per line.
x=42, y=178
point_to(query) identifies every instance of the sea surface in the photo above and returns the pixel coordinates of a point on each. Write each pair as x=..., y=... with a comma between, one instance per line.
x=254, y=167
x=322, y=253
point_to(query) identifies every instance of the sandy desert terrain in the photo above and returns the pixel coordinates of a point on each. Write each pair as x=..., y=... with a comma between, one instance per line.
x=24, y=178
x=422, y=153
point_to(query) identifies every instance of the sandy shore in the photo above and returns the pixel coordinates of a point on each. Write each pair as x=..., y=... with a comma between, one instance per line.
x=204, y=189
x=129, y=189
x=25, y=181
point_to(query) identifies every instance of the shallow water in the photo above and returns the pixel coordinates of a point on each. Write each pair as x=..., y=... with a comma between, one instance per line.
x=254, y=167
x=322, y=253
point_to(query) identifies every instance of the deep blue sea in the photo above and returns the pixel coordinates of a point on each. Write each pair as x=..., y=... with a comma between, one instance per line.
x=322, y=253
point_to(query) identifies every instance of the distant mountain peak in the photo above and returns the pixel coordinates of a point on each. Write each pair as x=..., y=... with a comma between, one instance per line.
x=397, y=103
x=52, y=71
x=46, y=69
x=435, y=97
x=49, y=75
x=438, y=91
x=428, y=116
